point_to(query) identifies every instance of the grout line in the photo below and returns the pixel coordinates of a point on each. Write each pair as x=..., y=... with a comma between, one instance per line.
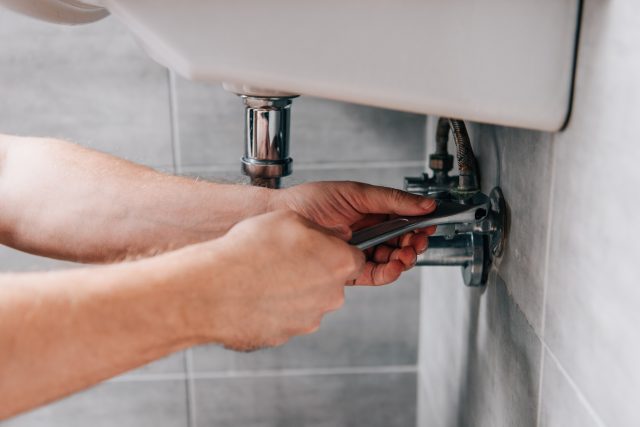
x=540, y=382
x=312, y=166
x=545, y=282
x=175, y=130
x=191, y=389
x=268, y=373
x=149, y=377
x=176, y=163
x=583, y=399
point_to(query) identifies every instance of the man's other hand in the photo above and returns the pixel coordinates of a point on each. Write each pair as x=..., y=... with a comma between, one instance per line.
x=349, y=206
x=278, y=274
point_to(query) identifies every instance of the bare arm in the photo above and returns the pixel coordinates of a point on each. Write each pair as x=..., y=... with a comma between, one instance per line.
x=63, y=331
x=64, y=201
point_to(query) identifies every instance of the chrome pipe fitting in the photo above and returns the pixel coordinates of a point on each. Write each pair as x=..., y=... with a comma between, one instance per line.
x=471, y=244
x=457, y=251
x=466, y=251
x=266, y=156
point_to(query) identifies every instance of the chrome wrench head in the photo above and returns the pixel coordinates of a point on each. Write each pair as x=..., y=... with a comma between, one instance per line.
x=446, y=212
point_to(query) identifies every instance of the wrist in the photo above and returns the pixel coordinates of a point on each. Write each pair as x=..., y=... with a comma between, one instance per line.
x=276, y=200
x=194, y=277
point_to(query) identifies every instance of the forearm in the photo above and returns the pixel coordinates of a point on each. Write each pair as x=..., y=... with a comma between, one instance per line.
x=63, y=201
x=64, y=331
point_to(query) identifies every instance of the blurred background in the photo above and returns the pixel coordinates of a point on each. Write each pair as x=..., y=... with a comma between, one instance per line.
x=550, y=341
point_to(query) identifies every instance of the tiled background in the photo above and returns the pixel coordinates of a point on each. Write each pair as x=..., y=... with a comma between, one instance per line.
x=95, y=86
x=553, y=339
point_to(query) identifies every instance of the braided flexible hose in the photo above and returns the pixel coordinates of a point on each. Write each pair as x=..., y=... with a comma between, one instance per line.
x=464, y=153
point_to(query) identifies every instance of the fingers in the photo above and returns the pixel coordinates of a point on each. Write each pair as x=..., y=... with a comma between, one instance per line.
x=388, y=261
x=382, y=200
x=417, y=240
x=380, y=274
x=384, y=254
x=429, y=231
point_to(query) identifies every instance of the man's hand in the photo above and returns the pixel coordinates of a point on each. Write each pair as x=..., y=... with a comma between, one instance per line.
x=280, y=275
x=350, y=206
x=271, y=277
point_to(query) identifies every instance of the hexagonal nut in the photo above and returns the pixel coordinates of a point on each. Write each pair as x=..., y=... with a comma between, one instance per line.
x=438, y=162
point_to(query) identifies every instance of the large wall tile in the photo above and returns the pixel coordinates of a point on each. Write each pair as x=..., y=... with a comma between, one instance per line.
x=91, y=84
x=447, y=312
x=520, y=162
x=391, y=176
x=376, y=327
x=593, y=294
x=122, y=404
x=479, y=356
x=373, y=400
x=561, y=405
x=211, y=123
x=330, y=131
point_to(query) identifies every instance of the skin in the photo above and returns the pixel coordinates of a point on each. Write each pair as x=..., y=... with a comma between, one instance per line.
x=186, y=263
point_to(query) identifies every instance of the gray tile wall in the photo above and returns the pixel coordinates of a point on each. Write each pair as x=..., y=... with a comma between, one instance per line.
x=553, y=339
x=95, y=86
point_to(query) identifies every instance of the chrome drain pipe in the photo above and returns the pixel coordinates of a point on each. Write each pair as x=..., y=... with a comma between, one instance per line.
x=267, y=119
x=266, y=156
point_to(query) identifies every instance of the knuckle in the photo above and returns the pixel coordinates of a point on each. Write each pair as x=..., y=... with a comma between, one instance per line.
x=396, y=196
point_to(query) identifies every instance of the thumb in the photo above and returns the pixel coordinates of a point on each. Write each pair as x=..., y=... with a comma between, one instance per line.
x=382, y=200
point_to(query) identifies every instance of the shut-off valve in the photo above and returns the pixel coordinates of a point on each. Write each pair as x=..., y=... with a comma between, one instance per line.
x=471, y=225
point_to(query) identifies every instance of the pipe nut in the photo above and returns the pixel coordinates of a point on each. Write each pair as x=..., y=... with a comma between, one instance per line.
x=441, y=162
x=258, y=168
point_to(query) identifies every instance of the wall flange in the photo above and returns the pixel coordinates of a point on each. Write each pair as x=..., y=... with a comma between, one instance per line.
x=471, y=245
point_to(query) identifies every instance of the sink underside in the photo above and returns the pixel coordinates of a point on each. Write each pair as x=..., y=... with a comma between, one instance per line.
x=500, y=61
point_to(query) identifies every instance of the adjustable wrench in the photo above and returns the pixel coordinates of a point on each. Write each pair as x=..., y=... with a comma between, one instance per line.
x=446, y=212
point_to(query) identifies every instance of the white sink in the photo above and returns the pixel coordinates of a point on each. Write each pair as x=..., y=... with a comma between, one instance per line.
x=508, y=62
